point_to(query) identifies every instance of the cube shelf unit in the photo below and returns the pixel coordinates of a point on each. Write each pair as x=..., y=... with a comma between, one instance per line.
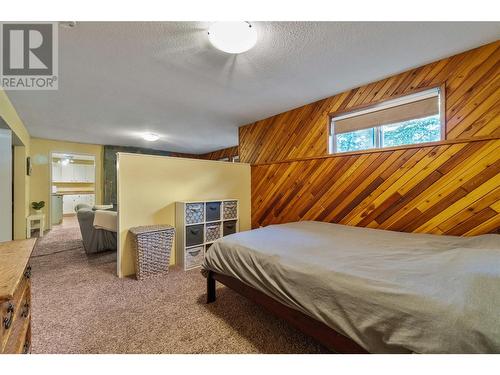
x=199, y=224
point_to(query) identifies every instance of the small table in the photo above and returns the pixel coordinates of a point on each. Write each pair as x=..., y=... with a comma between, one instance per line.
x=30, y=225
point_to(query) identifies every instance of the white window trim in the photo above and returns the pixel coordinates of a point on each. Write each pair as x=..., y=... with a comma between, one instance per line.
x=332, y=147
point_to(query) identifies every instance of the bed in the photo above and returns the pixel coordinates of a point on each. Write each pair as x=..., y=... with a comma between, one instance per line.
x=362, y=290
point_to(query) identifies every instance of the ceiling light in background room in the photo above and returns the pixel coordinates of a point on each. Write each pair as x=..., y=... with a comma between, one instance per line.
x=150, y=137
x=232, y=37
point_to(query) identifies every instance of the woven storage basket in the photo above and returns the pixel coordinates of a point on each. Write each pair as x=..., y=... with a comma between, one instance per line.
x=195, y=213
x=212, y=232
x=230, y=210
x=153, y=247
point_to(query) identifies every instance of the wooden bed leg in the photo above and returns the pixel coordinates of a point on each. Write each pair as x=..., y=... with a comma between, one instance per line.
x=210, y=287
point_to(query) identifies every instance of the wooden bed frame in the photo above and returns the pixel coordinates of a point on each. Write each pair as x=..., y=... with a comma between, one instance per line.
x=319, y=331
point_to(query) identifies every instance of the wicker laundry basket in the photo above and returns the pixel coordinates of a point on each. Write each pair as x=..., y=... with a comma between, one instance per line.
x=153, y=247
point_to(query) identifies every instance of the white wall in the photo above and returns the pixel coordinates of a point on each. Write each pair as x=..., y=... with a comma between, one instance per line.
x=5, y=185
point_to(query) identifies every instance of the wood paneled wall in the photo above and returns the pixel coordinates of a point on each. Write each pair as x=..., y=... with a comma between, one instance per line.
x=449, y=188
x=229, y=152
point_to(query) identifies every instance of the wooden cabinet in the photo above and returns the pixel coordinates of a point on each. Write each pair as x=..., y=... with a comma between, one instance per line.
x=68, y=204
x=89, y=199
x=199, y=224
x=73, y=172
x=15, y=296
x=56, y=172
x=71, y=200
x=67, y=173
x=89, y=172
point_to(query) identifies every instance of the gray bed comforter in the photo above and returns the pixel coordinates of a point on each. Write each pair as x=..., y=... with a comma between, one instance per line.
x=390, y=292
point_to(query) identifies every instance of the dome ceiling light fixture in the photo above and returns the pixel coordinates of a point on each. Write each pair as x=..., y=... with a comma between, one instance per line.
x=150, y=137
x=232, y=37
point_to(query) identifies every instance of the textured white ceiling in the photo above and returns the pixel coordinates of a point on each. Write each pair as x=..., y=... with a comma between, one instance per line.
x=118, y=79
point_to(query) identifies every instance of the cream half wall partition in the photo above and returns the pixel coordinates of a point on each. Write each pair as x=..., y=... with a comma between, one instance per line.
x=149, y=186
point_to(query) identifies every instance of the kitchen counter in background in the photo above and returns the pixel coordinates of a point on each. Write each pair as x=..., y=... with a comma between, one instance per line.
x=64, y=203
x=73, y=192
x=73, y=188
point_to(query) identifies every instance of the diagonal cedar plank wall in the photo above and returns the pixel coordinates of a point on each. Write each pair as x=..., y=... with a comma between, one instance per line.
x=451, y=188
x=228, y=152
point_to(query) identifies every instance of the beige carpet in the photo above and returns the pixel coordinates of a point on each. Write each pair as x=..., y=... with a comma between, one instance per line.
x=80, y=306
x=63, y=237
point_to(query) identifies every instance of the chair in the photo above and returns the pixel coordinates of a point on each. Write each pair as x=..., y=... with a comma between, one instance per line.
x=94, y=240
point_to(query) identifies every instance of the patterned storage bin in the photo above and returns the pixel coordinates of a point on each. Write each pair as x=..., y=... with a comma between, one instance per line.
x=153, y=245
x=212, y=232
x=230, y=210
x=194, y=213
x=194, y=257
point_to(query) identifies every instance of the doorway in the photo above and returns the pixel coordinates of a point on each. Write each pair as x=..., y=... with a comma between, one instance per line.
x=6, y=202
x=72, y=185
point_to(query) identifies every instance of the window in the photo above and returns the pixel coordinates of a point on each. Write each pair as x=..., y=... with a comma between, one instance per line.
x=407, y=120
